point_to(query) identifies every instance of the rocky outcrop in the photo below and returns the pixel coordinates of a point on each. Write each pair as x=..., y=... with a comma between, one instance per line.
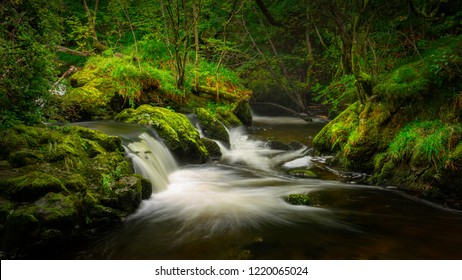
x=59, y=184
x=175, y=129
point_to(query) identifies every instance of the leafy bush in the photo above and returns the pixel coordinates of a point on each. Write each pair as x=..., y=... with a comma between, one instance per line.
x=338, y=95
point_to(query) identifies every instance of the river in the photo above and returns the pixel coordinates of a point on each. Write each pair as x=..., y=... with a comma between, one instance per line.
x=233, y=208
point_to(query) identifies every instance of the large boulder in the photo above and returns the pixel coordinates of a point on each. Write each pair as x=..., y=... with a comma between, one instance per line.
x=175, y=129
x=211, y=126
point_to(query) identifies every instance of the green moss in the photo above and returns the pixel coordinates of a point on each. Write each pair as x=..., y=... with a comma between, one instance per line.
x=427, y=142
x=299, y=199
x=76, y=183
x=303, y=173
x=177, y=131
x=212, y=147
x=24, y=157
x=109, y=143
x=56, y=210
x=243, y=113
x=335, y=134
x=211, y=126
x=31, y=186
x=6, y=208
x=22, y=219
x=81, y=78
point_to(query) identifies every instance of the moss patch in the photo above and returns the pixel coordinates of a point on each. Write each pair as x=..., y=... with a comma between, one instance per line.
x=175, y=129
x=211, y=126
x=299, y=199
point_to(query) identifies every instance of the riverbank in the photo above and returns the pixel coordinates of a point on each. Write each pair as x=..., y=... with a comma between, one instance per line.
x=408, y=133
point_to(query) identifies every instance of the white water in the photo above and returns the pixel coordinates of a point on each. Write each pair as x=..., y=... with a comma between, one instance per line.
x=234, y=206
x=254, y=153
x=219, y=198
x=152, y=160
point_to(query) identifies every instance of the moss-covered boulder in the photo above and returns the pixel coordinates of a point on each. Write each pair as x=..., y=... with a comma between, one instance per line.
x=211, y=126
x=227, y=117
x=299, y=199
x=212, y=147
x=31, y=186
x=243, y=113
x=302, y=173
x=175, y=129
x=408, y=133
x=59, y=183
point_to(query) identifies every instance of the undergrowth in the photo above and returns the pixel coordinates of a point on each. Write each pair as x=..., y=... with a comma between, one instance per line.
x=425, y=142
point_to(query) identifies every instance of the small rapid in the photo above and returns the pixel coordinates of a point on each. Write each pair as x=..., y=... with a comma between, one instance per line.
x=234, y=208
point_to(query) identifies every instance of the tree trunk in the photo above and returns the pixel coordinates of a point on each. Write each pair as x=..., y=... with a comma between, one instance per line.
x=363, y=79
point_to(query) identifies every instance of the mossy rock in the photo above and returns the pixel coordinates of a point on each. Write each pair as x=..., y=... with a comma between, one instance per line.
x=81, y=78
x=109, y=143
x=299, y=199
x=227, y=117
x=278, y=145
x=6, y=208
x=25, y=157
x=302, y=173
x=76, y=183
x=129, y=192
x=212, y=147
x=22, y=220
x=175, y=129
x=243, y=113
x=56, y=210
x=31, y=186
x=211, y=126
x=335, y=134
x=38, y=208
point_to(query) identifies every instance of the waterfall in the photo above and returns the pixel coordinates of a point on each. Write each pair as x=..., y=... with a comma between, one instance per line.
x=152, y=160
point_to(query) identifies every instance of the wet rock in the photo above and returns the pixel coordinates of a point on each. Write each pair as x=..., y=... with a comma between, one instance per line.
x=211, y=126
x=31, y=186
x=212, y=147
x=175, y=129
x=277, y=145
x=302, y=173
x=243, y=113
x=299, y=199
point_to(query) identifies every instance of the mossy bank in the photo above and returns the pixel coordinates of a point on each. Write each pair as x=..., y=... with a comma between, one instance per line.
x=62, y=184
x=408, y=133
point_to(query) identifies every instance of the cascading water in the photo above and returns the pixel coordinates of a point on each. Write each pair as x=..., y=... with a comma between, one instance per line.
x=234, y=208
x=152, y=160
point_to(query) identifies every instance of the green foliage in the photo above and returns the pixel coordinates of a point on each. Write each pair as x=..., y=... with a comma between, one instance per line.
x=206, y=70
x=338, y=95
x=425, y=142
x=29, y=31
x=335, y=135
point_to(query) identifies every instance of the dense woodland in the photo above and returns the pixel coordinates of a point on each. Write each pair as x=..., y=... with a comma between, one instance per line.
x=388, y=72
x=294, y=52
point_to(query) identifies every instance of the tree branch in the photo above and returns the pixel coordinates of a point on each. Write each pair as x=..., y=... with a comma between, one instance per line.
x=267, y=14
x=73, y=52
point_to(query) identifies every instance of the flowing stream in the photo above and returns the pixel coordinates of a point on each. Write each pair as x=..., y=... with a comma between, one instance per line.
x=234, y=208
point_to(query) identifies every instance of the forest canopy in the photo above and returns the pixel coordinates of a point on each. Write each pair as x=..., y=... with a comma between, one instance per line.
x=288, y=52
